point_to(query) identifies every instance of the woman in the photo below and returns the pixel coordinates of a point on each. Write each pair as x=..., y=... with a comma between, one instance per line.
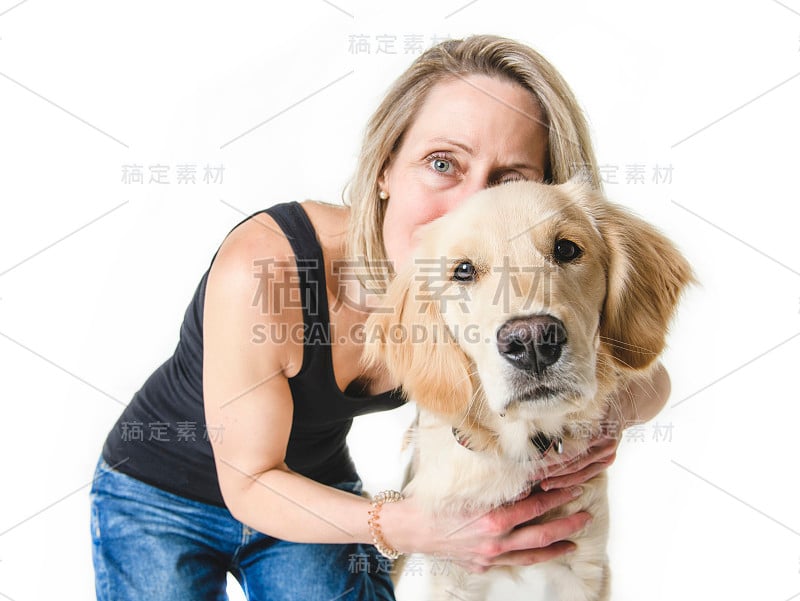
x=265, y=490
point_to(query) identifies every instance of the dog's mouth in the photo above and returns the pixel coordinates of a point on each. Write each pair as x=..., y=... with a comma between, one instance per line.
x=545, y=393
x=540, y=393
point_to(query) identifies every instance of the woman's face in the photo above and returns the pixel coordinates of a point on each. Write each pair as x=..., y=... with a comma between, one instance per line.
x=469, y=134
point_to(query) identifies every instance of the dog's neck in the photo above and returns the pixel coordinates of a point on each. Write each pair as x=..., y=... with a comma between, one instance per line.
x=509, y=435
x=474, y=432
x=540, y=441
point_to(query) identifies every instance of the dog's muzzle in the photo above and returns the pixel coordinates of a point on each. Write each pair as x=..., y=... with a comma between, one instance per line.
x=532, y=343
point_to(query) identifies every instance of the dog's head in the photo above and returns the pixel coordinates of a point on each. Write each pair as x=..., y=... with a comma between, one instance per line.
x=528, y=297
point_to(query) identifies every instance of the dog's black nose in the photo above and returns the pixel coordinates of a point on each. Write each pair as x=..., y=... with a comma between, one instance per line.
x=532, y=343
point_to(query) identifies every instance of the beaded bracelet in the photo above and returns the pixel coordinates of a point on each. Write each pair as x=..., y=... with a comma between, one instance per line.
x=386, y=496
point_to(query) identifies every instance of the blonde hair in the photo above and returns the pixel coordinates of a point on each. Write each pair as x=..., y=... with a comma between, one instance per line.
x=569, y=145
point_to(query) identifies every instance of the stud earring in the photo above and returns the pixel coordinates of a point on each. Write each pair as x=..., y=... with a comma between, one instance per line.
x=383, y=195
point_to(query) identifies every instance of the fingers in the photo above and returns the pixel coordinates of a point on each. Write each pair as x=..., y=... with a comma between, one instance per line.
x=572, y=450
x=542, y=536
x=573, y=458
x=595, y=454
x=505, y=518
x=579, y=477
x=525, y=557
x=531, y=556
x=499, y=538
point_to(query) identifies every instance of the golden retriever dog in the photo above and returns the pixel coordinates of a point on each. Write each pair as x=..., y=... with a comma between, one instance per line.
x=523, y=310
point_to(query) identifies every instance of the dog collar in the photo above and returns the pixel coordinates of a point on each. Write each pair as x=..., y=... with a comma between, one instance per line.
x=542, y=442
x=545, y=443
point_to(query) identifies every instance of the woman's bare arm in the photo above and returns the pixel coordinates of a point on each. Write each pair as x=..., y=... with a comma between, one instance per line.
x=246, y=394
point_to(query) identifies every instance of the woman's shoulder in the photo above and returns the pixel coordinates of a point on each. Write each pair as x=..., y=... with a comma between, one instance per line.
x=254, y=272
x=330, y=224
x=259, y=243
x=261, y=236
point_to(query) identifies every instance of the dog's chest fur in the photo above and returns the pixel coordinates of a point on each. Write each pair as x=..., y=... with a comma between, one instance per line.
x=449, y=478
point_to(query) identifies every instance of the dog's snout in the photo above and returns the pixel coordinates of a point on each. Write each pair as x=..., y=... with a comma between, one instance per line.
x=532, y=343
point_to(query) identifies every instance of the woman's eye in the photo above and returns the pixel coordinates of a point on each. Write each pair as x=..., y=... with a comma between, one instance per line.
x=508, y=179
x=440, y=164
x=565, y=250
x=464, y=272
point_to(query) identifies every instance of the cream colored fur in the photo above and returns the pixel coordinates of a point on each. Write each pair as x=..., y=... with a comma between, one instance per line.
x=440, y=341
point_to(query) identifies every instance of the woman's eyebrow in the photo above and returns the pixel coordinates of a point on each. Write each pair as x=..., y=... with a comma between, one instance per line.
x=523, y=165
x=466, y=147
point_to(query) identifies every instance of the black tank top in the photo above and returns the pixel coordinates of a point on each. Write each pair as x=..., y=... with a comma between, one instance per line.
x=161, y=437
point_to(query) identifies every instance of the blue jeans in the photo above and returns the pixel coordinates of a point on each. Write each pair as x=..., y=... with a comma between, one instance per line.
x=155, y=545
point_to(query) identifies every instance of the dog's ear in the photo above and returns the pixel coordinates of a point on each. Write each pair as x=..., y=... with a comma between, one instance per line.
x=646, y=276
x=409, y=337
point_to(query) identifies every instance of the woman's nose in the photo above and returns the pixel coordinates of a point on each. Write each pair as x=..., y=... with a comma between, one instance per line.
x=471, y=185
x=458, y=194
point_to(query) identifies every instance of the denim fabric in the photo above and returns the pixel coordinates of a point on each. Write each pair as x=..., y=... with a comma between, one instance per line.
x=151, y=544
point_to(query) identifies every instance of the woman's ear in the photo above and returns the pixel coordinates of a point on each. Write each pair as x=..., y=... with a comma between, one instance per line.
x=646, y=276
x=383, y=178
x=408, y=336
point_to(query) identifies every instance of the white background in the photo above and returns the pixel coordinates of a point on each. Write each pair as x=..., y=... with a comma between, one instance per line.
x=95, y=274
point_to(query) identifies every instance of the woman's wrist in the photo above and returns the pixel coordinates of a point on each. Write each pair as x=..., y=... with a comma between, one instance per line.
x=374, y=522
x=394, y=520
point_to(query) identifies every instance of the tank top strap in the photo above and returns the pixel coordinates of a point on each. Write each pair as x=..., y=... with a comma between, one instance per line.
x=302, y=237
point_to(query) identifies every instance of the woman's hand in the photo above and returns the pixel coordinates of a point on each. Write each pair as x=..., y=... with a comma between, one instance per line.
x=478, y=542
x=584, y=466
x=499, y=537
x=634, y=404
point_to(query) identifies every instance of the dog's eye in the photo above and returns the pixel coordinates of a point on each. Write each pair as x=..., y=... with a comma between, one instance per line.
x=464, y=272
x=566, y=250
